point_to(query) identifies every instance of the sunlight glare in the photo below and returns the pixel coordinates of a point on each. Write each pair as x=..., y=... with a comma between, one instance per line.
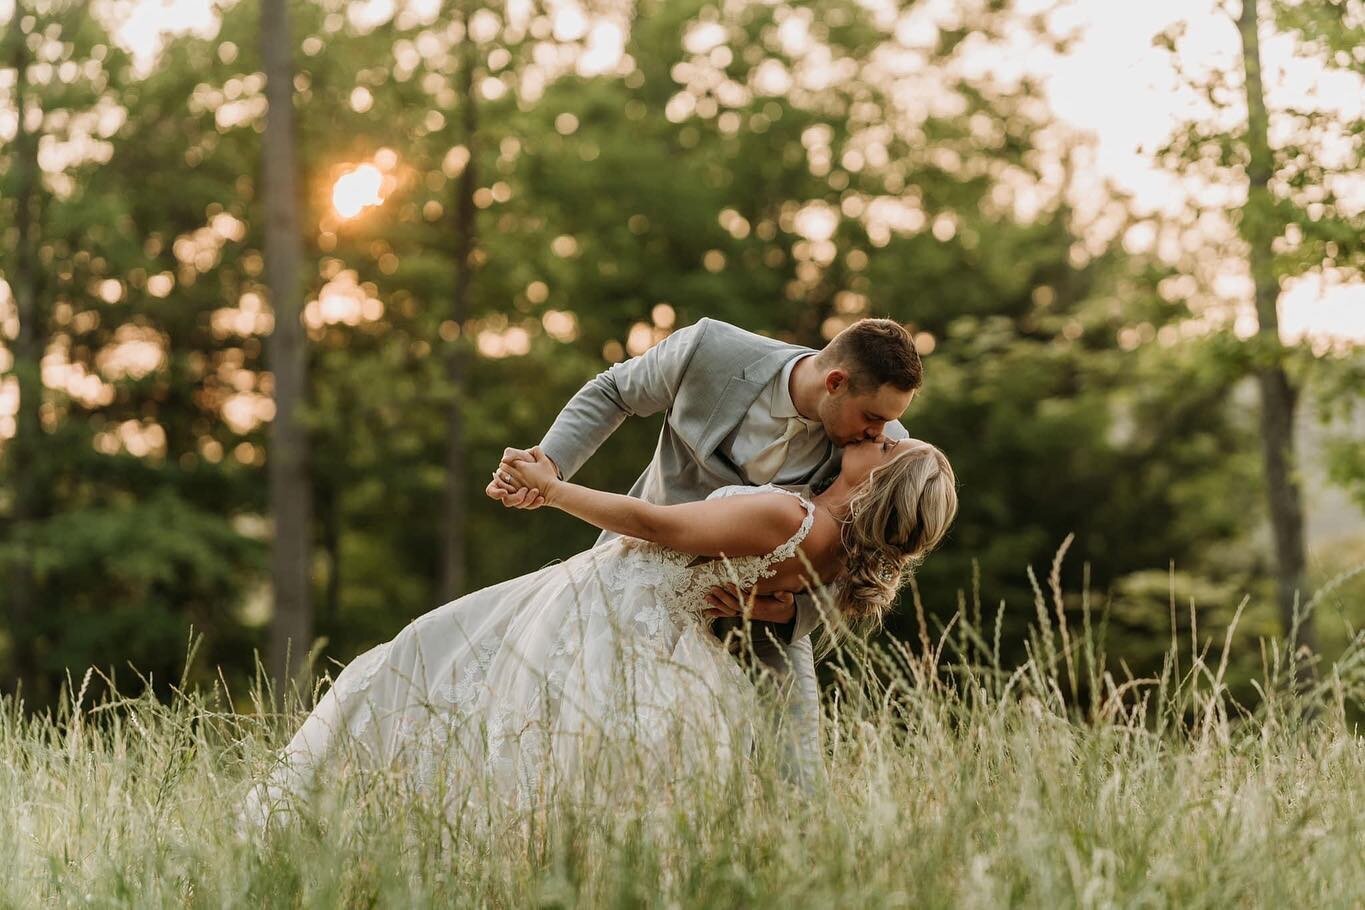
x=356, y=190
x=148, y=23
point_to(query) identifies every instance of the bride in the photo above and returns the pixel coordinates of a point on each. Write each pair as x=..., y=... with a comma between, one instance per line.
x=604, y=664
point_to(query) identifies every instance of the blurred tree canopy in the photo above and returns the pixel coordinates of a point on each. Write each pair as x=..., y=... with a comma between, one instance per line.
x=757, y=163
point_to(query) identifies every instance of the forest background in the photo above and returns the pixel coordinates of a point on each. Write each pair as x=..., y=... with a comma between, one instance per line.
x=472, y=209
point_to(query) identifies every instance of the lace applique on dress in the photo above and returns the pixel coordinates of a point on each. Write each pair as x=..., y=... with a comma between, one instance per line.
x=464, y=692
x=362, y=670
x=746, y=571
x=681, y=587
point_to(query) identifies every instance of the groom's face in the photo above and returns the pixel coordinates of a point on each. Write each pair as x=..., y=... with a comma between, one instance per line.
x=851, y=416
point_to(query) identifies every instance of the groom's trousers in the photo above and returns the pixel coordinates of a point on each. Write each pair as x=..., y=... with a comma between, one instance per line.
x=790, y=693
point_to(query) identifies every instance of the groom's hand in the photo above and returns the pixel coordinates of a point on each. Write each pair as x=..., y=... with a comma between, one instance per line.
x=507, y=491
x=726, y=600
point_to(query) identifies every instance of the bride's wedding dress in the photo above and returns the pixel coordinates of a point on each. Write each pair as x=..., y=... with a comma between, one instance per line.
x=571, y=672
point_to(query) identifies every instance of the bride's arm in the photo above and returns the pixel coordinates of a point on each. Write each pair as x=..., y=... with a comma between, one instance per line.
x=734, y=526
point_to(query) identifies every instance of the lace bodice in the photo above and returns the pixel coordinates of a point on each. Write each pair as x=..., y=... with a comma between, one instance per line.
x=680, y=586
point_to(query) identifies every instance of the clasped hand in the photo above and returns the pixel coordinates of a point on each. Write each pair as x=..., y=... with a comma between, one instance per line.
x=525, y=477
x=504, y=486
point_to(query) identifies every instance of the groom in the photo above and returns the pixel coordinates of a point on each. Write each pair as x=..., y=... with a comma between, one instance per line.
x=745, y=409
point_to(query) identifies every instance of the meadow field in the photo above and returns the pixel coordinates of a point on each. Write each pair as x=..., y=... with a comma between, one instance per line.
x=952, y=782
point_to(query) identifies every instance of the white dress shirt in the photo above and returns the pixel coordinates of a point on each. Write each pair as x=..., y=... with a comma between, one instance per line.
x=766, y=421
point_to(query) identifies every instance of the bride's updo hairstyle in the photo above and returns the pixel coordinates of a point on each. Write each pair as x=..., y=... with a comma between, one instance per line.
x=895, y=518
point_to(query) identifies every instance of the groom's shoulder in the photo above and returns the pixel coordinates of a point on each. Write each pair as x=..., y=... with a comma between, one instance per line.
x=717, y=332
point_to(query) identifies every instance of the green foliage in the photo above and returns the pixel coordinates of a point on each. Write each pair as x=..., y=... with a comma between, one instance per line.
x=612, y=207
x=124, y=582
x=1337, y=396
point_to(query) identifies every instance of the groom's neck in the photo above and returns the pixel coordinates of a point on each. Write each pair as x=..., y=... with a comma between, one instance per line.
x=806, y=387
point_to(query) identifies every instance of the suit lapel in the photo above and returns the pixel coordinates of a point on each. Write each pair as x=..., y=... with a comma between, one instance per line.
x=734, y=401
x=738, y=396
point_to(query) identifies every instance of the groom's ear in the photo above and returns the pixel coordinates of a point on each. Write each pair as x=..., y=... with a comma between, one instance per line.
x=835, y=380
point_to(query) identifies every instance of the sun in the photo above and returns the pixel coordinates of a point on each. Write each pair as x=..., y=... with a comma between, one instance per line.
x=357, y=190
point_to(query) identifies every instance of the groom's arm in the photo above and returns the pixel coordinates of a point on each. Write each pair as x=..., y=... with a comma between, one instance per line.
x=807, y=618
x=637, y=387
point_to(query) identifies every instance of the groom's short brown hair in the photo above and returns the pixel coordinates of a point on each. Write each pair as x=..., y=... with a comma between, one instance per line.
x=874, y=353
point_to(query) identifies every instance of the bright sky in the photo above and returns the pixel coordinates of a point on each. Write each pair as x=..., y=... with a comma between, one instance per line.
x=1114, y=83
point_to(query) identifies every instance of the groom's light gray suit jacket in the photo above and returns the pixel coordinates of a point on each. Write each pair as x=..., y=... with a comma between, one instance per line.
x=705, y=377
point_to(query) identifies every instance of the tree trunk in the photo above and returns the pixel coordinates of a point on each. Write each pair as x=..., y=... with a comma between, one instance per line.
x=331, y=544
x=25, y=469
x=453, y=567
x=1278, y=397
x=291, y=629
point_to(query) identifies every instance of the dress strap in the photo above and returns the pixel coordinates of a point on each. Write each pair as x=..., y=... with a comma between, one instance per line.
x=788, y=549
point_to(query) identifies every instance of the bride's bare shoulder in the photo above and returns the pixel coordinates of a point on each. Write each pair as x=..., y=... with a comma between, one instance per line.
x=826, y=533
x=772, y=506
x=772, y=517
x=822, y=550
x=752, y=524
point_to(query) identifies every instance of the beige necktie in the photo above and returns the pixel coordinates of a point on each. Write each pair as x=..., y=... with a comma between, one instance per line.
x=763, y=467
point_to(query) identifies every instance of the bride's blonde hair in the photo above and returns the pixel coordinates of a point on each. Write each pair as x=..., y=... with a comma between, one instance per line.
x=896, y=517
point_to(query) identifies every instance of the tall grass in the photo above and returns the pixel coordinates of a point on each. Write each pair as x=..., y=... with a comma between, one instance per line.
x=953, y=780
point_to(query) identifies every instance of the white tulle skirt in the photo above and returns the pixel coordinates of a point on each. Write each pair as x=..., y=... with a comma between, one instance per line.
x=575, y=677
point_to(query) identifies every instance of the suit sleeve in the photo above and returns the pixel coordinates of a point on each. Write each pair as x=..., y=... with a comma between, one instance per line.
x=637, y=387
x=806, y=619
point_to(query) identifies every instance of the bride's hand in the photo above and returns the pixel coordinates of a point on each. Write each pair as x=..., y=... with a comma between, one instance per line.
x=538, y=472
